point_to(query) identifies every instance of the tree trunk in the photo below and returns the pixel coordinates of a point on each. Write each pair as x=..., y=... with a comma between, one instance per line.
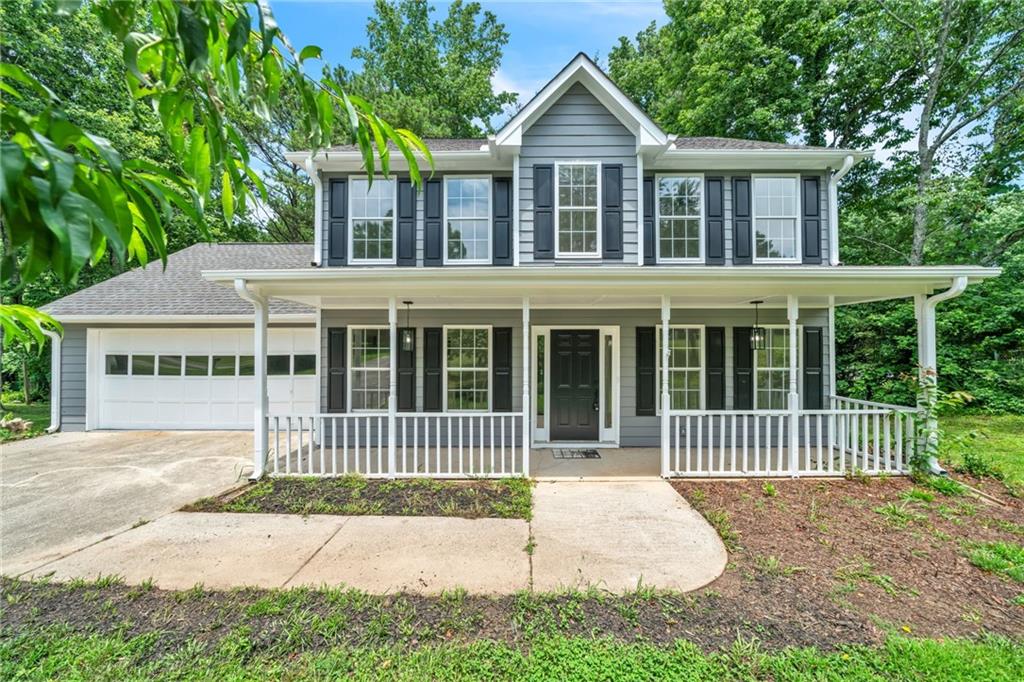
x=924, y=173
x=26, y=389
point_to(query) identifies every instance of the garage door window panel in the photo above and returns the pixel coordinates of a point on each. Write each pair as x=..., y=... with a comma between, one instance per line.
x=170, y=365
x=197, y=365
x=223, y=365
x=246, y=365
x=117, y=365
x=143, y=365
x=305, y=365
x=278, y=365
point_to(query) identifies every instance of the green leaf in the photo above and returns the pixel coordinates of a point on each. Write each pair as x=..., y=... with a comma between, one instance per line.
x=227, y=198
x=239, y=36
x=268, y=26
x=310, y=52
x=192, y=32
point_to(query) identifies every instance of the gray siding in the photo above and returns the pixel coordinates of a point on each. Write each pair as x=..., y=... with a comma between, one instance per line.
x=634, y=431
x=72, y=378
x=578, y=127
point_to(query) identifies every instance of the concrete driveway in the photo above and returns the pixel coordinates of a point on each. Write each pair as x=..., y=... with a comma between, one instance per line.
x=62, y=492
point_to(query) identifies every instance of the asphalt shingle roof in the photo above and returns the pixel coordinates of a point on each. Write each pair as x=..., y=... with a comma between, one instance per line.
x=735, y=143
x=434, y=144
x=180, y=289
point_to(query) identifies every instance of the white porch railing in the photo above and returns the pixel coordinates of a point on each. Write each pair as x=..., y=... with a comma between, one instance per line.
x=852, y=435
x=426, y=445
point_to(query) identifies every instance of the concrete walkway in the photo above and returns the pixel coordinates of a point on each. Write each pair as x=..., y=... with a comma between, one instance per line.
x=613, y=535
x=62, y=492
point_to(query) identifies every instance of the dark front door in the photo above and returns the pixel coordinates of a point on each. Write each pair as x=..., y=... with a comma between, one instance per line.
x=575, y=388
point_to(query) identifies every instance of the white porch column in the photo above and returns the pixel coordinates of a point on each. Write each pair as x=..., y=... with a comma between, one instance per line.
x=792, y=313
x=527, y=409
x=666, y=316
x=392, y=382
x=261, y=401
x=832, y=390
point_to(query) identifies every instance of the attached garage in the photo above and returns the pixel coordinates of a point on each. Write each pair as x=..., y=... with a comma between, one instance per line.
x=194, y=378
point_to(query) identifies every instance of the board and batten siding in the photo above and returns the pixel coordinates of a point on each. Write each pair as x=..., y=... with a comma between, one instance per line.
x=634, y=431
x=577, y=127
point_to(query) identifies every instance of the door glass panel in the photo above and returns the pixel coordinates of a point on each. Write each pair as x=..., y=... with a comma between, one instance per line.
x=540, y=382
x=607, y=388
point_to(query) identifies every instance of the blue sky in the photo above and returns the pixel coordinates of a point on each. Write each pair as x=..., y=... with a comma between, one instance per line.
x=543, y=35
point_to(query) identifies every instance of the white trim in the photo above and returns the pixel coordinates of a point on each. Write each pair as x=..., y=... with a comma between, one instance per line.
x=309, y=318
x=640, y=209
x=657, y=219
x=515, y=210
x=444, y=367
x=799, y=366
x=352, y=180
x=350, y=348
x=489, y=218
x=797, y=241
x=606, y=436
x=55, y=361
x=572, y=255
x=318, y=211
x=702, y=369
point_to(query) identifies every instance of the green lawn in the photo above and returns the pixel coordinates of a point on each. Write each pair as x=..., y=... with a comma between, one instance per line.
x=37, y=413
x=59, y=654
x=1000, y=439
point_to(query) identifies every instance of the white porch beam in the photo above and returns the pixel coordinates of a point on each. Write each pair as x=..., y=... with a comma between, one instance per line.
x=666, y=318
x=527, y=408
x=261, y=400
x=392, y=382
x=792, y=314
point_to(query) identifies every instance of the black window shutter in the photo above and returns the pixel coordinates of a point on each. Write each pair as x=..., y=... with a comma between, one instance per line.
x=611, y=204
x=501, y=356
x=714, y=368
x=743, y=369
x=543, y=211
x=407, y=374
x=432, y=218
x=814, y=366
x=406, y=223
x=811, y=220
x=502, y=222
x=714, y=248
x=433, y=354
x=337, y=223
x=742, y=223
x=646, y=371
x=650, y=254
x=337, y=359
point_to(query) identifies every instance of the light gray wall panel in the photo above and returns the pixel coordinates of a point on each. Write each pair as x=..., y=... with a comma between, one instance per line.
x=72, y=378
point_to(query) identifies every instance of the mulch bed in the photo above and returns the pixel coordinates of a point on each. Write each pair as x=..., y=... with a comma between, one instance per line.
x=814, y=547
x=352, y=495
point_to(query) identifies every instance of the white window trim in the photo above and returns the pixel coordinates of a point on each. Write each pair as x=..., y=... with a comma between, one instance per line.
x=490, y=221
x=490, y=367
x=559, y=254
x=657, y=218
x=352, y=179
x=349, y=366
x=799, y=367
x=658, y=355
x=798, y=247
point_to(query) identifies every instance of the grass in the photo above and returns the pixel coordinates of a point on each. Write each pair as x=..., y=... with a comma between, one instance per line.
x=55, y=653
x=1000, y=439
x=1002, y=558
x=38, y=413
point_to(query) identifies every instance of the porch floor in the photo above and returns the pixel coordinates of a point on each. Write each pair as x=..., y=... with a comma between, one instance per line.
x=614, y=463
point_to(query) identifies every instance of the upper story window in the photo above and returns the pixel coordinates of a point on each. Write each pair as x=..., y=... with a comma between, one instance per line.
x=467, y=208
x=678, y=218
x=576, y=209
x=776, y=216
x=373, y=220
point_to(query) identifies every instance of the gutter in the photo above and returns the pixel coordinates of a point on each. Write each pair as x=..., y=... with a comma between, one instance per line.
x=927, y=351
x=833, y=209
x=55, y=340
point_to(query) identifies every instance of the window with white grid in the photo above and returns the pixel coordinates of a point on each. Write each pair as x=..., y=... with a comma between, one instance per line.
x=771, y=371
x=373, y=220
x=776, y=215
x=577, y=199
x=468, y=219
x=685, y=367
x=467, y=367
x=370, y=367
x=679, y=214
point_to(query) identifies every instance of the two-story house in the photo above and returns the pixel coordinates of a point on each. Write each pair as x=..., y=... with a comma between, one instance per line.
x=578, y=281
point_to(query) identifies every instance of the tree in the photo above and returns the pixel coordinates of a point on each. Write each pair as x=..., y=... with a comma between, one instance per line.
x=69, y=196
x=433, y=77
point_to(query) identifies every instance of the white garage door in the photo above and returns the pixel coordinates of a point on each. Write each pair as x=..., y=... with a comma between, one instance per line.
x=195, y=378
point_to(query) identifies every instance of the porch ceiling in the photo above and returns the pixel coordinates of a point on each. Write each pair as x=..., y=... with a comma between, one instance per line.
x=598, y=286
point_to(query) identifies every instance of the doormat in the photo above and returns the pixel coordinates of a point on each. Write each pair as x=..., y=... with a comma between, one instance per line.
x=572, y=453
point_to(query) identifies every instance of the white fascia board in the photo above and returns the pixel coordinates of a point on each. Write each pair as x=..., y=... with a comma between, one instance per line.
x=181, y=319
x=443, y=161
x=755, y=159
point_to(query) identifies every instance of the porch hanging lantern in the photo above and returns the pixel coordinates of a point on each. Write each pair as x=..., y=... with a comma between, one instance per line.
x=408, y=333
x=758, y=334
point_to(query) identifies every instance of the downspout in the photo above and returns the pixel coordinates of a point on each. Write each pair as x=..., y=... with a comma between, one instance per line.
x=929, y=361
x=261, y=318
x=833, y=209
x=54, y=380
